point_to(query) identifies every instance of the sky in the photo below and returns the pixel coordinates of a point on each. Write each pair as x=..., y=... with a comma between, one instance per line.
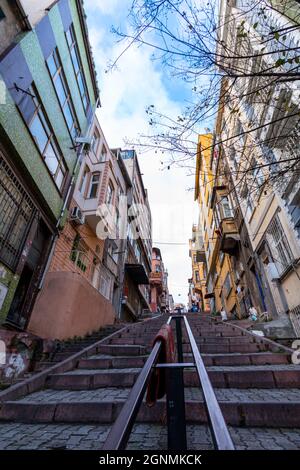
x=125, y=93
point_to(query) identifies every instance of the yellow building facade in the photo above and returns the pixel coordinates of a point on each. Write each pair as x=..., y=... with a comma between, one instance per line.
x=217, y=224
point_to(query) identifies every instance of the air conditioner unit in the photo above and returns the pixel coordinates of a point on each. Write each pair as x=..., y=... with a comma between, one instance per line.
x=77, y=216
x=86, y=143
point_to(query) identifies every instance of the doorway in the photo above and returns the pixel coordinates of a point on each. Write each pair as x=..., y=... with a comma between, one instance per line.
x=27, y=288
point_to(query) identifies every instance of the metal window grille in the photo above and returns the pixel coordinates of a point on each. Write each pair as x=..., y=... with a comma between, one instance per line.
x=16, y=215
x=282, y=252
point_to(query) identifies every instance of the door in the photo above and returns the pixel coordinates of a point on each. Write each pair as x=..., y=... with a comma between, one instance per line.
x=27, y=288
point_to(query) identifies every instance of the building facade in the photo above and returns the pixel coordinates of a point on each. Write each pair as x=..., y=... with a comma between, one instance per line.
x=88, y=254
x=159, y=284
x=263, y=160
x=216, y=223
x=197, y=283
x=48, y=97
x=137, y=252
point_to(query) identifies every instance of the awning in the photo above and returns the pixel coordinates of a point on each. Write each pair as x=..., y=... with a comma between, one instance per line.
x=137, y=273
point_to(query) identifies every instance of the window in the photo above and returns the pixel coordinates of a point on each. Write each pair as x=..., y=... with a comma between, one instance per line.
x=103, y=154
x=34, y=115
x=94, y=185
x=197, y=276
x=227, y=285
x=17, y=212
x=95, y=274
x=109, y=194
x=137, y=251
x=280, y=248
x=79, y=254
x=83, y=182
x=95, y=141
x=105, y=283
x=63, y=93
x=226, y=207
x=78, y=69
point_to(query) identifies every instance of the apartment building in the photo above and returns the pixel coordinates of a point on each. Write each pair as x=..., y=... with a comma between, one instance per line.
x=159, y=283
x=87, y=261
x=216, y=223
x=197, y=283
x=48, y=98
x=138, y=249
x=260, y=133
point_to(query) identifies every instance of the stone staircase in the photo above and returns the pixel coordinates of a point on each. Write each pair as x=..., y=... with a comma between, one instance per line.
x=254, y=380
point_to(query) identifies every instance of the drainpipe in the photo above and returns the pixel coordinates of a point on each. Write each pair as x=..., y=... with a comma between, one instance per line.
x=71, y=186
x=23, y=14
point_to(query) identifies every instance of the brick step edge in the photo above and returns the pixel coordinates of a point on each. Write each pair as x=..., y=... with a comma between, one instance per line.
x=269, y=414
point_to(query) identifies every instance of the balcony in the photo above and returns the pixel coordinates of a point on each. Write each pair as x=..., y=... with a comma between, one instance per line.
x=137, y=273
x=229, y=236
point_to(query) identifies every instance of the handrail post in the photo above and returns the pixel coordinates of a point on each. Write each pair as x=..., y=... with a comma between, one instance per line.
x=175, y=399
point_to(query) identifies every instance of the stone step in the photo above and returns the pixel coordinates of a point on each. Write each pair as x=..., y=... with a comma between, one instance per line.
x=105, y=362
x=284, y=376
x=276, y=408
x=199, y=341
x=121, y=350
x=211, y=348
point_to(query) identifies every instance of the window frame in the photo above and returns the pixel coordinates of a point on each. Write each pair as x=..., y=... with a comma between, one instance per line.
x=49, y=132
x=110, y=187
x=68, y=99
x=71, y=47
x=282, y=242
x=93, y=183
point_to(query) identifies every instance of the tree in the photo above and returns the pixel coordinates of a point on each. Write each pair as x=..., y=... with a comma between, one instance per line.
x=245, y=60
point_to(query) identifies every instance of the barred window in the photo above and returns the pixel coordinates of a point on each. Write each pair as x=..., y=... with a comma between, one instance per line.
x=281, y=251
x=16, y=215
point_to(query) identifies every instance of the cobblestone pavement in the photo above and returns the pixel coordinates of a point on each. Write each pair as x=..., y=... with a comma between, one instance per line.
x=192, y=393
x=97, y=395
x=144, y=436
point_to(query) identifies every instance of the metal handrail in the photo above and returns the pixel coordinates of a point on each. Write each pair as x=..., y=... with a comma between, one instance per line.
x=220, y=434
x=119, y=434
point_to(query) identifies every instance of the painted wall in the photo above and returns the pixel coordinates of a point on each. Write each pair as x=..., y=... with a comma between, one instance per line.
x=69, y=306
x=12, y=122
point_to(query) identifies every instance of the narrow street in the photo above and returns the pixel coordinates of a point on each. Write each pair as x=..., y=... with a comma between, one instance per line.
x=255, y=384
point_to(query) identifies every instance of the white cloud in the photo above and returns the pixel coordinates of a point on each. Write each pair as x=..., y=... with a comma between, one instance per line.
x=106, y=7
x=125, y=94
